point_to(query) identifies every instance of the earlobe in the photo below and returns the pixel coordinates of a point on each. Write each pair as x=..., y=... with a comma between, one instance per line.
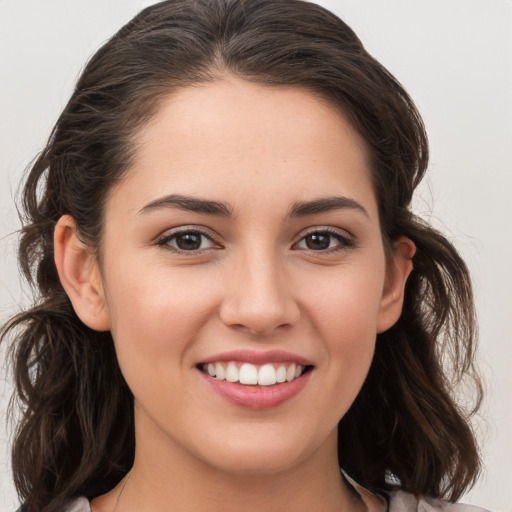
x=398, y=269
x=79, y=274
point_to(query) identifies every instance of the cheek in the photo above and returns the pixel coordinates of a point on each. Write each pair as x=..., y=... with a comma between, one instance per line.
x=346, y=302
x=345, y=312
x=350, y=337
x=152, y=321
x=155, y=327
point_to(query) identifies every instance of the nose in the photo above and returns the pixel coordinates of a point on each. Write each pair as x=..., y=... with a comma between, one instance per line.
x=258, y=296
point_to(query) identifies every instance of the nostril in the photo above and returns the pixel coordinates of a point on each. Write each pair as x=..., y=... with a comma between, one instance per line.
x=261, y=309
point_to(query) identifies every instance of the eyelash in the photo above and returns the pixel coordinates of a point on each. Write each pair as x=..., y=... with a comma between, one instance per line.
x=166, y=240
x=345, y=241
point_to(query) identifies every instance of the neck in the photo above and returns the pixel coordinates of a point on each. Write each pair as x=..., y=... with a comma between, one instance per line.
x=166, y=477
x=301, y=489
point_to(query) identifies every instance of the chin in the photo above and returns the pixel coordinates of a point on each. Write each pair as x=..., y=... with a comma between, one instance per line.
x=256, y=463
x=260, y=456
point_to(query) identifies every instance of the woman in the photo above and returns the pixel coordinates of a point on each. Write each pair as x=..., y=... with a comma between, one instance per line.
x=202, y=342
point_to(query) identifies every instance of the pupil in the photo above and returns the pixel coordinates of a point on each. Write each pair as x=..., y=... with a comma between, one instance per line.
x=188, y=241
x=318, y=242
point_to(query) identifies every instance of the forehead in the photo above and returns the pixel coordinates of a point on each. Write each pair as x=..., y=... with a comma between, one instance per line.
x=235, y=140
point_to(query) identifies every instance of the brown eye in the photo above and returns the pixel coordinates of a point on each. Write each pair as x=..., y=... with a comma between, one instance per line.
x=318, y=241
x=187, y=241
x=324, y=241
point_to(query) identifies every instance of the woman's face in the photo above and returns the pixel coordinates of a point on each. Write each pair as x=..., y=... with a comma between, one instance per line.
x=244, y=242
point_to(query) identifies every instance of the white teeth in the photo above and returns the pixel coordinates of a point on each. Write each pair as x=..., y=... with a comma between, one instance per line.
x=232, y=373
x=267, y=375
x=281, y=374
x=219, y=372
x=248, y=374
x=290, y=373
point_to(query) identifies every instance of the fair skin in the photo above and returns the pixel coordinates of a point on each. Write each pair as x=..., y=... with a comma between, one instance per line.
x=254, y=272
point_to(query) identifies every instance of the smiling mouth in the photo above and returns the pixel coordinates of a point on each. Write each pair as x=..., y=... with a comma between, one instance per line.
x=249, y=374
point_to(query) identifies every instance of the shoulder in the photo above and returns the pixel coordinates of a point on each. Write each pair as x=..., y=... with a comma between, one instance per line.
x=78, y=505
x=400, y=501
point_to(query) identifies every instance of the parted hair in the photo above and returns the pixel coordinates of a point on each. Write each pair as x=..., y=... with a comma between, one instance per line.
x=76, y=433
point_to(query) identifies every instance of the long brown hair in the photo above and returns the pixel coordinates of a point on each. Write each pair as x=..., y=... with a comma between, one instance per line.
x=76, y=435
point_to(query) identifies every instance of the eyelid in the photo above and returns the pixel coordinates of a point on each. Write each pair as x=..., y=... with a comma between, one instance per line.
x=163, y=239
x=347, y=240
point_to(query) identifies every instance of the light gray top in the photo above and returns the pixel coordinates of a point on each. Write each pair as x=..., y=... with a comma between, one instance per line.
x=399, y=501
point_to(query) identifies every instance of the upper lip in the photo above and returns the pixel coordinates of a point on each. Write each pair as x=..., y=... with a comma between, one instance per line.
x=258, y=358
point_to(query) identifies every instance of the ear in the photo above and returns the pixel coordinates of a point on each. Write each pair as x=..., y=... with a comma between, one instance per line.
x=398, y=269
x=80, y=276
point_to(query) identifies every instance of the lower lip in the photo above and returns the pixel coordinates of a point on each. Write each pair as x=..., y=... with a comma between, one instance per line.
x=256, y=397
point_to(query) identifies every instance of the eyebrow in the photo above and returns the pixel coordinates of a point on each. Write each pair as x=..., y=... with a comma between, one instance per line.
x=190, y=204
x=322, y=205
x=219, y=208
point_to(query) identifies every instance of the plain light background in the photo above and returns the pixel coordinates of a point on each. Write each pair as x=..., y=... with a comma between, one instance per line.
x=455, y=59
